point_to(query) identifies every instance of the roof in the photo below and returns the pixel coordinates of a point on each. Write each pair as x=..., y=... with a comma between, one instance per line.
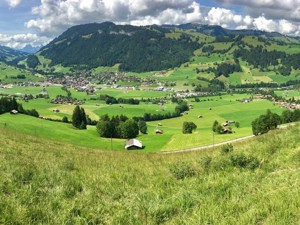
x=133, y=143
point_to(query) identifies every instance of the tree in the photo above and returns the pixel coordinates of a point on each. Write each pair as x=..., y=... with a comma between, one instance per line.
x=76, y=117
x=65, y=119
x=79, y=118
x=287, y=116
x=104, y=128
x=215, y=125
x=266, y=122
x=237, y=124
x=129, y=129
x=83, y=119
x=142, y=126
x=188, y=127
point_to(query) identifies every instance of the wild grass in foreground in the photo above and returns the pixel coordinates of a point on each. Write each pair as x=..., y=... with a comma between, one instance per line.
x=43, y=182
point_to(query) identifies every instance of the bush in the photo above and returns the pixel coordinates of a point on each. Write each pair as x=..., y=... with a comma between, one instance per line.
x=182, y=170
x=227, y=148
x=243, y=161
x=205, y=162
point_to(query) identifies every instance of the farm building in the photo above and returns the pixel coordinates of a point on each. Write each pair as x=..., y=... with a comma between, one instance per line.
x=13, y=111
x=158, y=131
x=133, y=144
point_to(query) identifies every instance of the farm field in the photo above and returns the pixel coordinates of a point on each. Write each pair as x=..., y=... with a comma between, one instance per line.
x=289, y=94
x=222, y=108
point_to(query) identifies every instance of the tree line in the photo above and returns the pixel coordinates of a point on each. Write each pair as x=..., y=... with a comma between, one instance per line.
x=8, y=104
x=112, y=100
x=120, y=127
x=270, y=121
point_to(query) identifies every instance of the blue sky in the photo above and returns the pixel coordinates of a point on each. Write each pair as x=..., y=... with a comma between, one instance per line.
x=37, y=22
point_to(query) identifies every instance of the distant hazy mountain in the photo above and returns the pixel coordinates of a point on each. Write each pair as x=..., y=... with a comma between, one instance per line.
x=30, y=49
x=8, y=54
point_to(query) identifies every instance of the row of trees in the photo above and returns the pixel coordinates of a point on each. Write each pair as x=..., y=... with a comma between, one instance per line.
x=270, y=121
x=8, y=104
x=112, y=100
x=180, y=108
x=120, y=127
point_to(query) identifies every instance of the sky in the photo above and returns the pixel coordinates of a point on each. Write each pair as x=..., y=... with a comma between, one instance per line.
x=37, y=22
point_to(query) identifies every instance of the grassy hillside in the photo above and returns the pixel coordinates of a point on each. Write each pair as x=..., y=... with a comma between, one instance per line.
x=44, y=182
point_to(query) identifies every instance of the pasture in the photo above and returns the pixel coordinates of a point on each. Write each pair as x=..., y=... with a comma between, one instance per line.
x=226, y=107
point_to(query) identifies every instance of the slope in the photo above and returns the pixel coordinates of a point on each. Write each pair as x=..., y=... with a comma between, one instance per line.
x=136, y=49
x=44, y=182
x=8, y=54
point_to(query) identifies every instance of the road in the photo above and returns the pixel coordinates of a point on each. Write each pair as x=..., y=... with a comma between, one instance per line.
x=282, y=126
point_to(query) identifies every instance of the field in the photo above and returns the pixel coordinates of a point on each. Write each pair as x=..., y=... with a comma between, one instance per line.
x=221, y=108
x=289, y=94
x=47, y=182
x=9, y=74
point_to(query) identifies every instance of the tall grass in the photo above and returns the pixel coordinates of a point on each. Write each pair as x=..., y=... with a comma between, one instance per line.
x=44, y=182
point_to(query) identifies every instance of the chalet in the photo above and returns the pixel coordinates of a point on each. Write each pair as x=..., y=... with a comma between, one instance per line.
x=158, y=131
x=14, y=112
x=246, y=100
x=133, y=144
x=225, y=124
x=227, y=131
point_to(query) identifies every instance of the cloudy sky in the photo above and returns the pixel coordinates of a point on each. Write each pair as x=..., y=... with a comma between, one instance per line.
x=36, y=22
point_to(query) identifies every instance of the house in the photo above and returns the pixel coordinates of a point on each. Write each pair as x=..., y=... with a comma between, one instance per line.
x=158, y=131
x=14, y=112
x=133, y=144
x=227, y=131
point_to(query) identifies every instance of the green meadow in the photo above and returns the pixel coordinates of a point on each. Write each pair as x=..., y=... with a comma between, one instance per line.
x=227, y=107
x=49, y=182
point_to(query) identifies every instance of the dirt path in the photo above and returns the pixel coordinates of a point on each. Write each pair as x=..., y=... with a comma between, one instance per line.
x=282, y=126
x=207, y=146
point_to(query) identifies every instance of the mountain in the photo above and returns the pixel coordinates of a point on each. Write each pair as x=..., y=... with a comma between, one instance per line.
x=30, y=49
x=215, y=30
x=134, y=48
x=8, y=54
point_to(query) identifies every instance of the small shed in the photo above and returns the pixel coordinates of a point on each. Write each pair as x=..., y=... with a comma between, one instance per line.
x=158, y=131
x=14, y=112
x=133, y=144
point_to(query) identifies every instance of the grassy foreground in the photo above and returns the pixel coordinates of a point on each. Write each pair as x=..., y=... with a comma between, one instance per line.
x=44, y=182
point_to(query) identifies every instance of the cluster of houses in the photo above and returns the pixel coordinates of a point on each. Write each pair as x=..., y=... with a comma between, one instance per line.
x=288, y=105
x=67, y=101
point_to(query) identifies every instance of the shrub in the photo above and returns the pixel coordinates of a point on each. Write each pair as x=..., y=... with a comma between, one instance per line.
x=243, y=161
x=205, y=162
x=227, y=148
x=182, y=170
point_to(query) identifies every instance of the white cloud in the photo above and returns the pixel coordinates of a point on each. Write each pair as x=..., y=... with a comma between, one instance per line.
x=225, y=17
x=272, y=9
x=21, y=40
x=261, y=23
x=57, y=15
x=13, y=3
x=229, y=19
